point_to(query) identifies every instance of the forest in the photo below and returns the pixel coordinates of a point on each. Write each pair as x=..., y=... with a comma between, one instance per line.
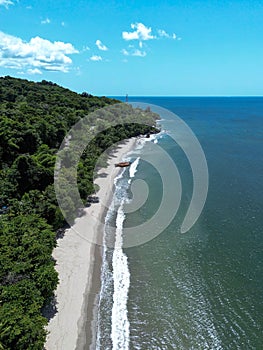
x=34, y=119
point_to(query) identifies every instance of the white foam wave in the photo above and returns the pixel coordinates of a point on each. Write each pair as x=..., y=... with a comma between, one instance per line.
x=106, y=278
x=133, y=167
x=140, y=143
x=119, y=176
x=152, y=138
x=120, y=327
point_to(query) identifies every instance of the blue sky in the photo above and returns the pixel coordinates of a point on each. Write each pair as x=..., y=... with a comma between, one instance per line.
x=185, y=48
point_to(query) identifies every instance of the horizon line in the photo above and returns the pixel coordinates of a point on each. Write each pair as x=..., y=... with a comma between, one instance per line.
x=207, y=96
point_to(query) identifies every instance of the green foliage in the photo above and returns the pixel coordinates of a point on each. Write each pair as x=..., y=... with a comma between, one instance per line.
x=34, y=119
x=27, y=277
x=21, y=330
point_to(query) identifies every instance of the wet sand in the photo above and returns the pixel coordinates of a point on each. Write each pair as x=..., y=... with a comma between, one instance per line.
x=78, y=262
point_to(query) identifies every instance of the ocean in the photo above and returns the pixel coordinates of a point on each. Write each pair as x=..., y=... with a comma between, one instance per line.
x=201, y=289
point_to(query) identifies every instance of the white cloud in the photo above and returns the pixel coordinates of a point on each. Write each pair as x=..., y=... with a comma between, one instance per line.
x=162, y=33
x=130, y=36
x=6, y=3
x=138, y=53
x=133, y=52
x=46, y=21
x=38, y=54
x=34, y=71
x=63, y=24
x=78, y=71
x=85, y=48
x=96, y=58
x=125, y=52
x=141, y=32
x=101, y=46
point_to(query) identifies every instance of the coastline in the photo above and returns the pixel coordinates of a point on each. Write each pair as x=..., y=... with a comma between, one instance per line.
x=78, y=263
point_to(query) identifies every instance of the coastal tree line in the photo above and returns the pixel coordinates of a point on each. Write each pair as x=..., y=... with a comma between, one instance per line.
x=34, y=119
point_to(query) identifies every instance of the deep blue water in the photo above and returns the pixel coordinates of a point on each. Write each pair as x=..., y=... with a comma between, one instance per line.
x=204, y=289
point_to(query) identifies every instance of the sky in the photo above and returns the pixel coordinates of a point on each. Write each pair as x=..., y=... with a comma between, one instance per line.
x=140, y=48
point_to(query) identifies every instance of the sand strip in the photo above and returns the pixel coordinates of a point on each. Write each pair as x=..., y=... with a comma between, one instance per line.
x=78, y=262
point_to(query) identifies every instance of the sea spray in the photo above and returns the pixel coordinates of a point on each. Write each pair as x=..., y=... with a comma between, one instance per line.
x=133, y=167
x=113, y=324
x=153, y=138
x=104, y=313
x=106, y=291
x=121, y=279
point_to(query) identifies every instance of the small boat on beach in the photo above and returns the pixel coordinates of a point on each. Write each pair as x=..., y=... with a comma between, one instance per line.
x=123, y=164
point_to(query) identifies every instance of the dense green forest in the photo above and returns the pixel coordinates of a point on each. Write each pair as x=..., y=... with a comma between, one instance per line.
x=34, y=119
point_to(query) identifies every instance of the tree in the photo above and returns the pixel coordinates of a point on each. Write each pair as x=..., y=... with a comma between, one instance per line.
x=34, y=119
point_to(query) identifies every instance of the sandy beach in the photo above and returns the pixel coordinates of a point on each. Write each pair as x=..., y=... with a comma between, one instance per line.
x=78, y=262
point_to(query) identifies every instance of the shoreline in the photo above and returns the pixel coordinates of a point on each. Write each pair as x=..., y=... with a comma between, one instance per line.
x=78, y=263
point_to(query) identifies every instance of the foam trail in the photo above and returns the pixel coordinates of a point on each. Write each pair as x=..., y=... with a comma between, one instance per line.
x=140, y=143
x=151, y=138
x=133, y=167
x=120, y=327
x=106, y=279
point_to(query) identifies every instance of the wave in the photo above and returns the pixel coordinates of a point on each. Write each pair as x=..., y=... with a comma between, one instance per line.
x=133, y=167
x=140, y=143
x=106, y=285
x=153, y=138
x=121, y=278
x=113, y=326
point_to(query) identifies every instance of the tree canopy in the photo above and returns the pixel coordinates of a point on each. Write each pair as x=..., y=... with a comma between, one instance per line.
x=34, y=119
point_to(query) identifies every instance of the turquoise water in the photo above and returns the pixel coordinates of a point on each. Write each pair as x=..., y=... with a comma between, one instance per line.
x=202, y=289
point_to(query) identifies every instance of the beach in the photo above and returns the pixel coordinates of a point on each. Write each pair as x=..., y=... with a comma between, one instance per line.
x=78, y=262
